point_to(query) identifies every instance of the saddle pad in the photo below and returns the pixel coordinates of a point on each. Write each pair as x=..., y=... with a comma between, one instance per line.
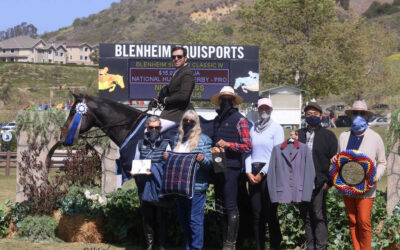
x=179, y=174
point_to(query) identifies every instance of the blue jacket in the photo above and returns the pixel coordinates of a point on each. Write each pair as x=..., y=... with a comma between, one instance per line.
x=205, y=166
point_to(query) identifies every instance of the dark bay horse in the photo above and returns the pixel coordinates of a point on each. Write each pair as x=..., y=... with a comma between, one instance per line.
x=124, y=125
x=116, y=120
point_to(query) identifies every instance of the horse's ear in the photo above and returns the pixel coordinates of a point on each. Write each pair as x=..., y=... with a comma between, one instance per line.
x=76, y=97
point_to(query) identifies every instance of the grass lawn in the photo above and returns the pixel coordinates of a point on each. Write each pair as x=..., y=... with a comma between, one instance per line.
x=12, y=244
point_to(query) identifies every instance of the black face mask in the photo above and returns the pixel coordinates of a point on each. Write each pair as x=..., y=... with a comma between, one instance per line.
x=152, y=135
x=187, y=129
x=226, y=104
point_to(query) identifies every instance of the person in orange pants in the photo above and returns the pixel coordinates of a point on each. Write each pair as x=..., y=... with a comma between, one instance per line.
x=359, y=212
x=366, y=140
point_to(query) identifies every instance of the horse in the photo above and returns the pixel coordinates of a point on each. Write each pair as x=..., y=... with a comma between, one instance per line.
x=116, y=120
x=123, y=124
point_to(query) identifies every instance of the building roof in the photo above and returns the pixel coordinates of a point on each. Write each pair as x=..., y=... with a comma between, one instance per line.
x=19, y=42
x=282, y=87
x=76, y=44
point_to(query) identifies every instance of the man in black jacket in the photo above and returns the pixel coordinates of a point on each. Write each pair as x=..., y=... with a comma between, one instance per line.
x=323, y=144
x=176, y=96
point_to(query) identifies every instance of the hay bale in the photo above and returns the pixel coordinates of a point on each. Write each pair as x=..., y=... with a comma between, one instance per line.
x=77, y=228
x=12, y=230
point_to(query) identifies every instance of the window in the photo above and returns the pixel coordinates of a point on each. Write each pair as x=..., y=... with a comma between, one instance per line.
x=86, y=49
x=70, y=57
x=56, y=53
x=80, y=49
x=85, y=58
x=81, y=57
x=12, y=50
x=61, y=54
x=49, y=52
x=4, y=51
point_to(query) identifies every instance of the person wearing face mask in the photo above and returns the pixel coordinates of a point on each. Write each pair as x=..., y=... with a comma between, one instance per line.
x=191, y=211
x=264, y=136
x=231, y=132
x=152, y=147
x=323, y=145
x=368, y=142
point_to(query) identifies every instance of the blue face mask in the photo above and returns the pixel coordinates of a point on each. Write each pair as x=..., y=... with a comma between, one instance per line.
x=313, y=120
x=359, y=124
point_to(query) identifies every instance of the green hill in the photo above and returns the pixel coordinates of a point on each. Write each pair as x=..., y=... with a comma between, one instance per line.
x=23, y=84
x=147, y=21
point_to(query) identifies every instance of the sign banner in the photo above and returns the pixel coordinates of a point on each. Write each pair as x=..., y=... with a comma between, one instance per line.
x=139, y=72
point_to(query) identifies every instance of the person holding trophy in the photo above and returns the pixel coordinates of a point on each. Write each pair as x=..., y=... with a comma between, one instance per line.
x=360, y=140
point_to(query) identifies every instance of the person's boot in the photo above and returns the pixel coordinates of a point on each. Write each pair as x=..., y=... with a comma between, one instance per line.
x=149, y=235
x=232, y=232
x=162, y=232
x=259, y=233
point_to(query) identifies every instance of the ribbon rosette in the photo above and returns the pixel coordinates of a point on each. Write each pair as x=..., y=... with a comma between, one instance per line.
x=366, y=163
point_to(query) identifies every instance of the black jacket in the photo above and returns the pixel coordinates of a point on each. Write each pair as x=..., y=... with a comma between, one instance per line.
x=178, y=93
x=324, y=148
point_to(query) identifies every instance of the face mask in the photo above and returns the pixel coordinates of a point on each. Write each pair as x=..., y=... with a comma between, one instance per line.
x=264, y=115
x=187, y=129
x=152, y=135
x=359, y=124
x=313, y=120
x=226, y=103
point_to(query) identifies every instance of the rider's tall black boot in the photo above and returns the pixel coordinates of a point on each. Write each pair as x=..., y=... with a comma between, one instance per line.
x=162, y=232
x=232, y=232
x=149, y=235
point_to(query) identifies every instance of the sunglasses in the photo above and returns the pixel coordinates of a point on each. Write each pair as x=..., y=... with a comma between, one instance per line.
x=186, y=120
x=362, y=113
x=177, y=56
x=156, y=128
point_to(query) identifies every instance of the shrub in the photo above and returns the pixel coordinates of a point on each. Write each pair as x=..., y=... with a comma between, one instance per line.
x=387, y=233
x=122, y=213
x=82, y=168
x=38, y=229
x=18, y=211
x=4, y=222
x=131, y=19
x=77, y=202
x=378, y=9
x=228, y=30
x=42, y=193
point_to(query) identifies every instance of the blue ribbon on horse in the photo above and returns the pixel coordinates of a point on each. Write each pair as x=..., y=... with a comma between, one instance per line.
x=73, y=130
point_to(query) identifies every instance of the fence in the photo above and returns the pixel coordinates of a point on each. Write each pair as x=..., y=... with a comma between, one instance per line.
x=9, y=160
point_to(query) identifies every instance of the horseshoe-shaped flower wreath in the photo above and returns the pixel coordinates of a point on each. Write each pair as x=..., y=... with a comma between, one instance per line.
x=366, y=163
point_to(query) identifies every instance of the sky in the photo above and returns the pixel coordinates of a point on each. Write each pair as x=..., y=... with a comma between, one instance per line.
x=48, y=15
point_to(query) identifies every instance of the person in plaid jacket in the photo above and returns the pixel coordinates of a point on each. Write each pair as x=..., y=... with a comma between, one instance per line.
x=231, y=132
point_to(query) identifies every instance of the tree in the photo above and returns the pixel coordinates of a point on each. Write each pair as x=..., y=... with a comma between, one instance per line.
x=302, y=43
x=94, y=56
x=22, y=29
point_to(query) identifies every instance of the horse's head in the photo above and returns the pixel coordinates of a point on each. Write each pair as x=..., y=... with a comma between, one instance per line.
x=78, y=121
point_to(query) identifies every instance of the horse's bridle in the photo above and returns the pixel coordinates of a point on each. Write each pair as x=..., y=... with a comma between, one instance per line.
x=106, y=127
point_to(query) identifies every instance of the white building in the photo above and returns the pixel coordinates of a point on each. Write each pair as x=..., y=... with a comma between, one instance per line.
x=287, y=102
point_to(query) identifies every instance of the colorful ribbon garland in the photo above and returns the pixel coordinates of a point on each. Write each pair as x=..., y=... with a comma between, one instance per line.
x=366, y=163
